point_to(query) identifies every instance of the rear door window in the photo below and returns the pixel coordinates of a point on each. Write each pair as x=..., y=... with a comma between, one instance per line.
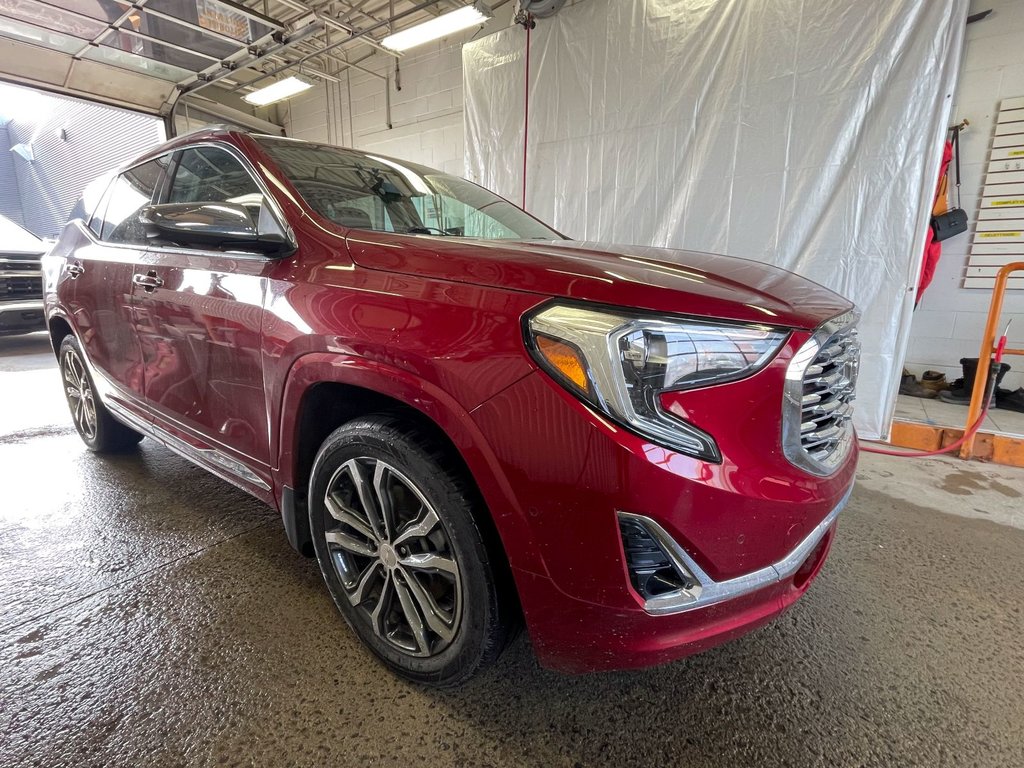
x=129, y=194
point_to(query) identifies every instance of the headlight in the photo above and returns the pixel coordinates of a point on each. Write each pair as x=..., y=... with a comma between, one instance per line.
x=621, y=363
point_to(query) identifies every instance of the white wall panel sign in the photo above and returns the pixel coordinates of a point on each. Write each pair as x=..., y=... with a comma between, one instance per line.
x=803, y=134
x=1001, y=212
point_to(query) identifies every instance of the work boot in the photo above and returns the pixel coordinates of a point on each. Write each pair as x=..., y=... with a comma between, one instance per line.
x=909, y=385
x=1011, y=400
x=935, y=382
x=961, y=389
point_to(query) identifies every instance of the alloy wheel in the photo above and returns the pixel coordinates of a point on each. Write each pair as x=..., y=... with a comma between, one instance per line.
x=80, y=395
x=393, y=556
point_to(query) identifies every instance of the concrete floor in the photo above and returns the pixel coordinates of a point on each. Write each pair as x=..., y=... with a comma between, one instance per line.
x=152, y=615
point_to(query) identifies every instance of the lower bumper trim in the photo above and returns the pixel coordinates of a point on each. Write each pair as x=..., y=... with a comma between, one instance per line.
x=708, y=591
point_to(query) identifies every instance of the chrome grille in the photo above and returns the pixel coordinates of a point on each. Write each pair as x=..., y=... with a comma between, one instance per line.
x=820, y=384
x=20, y=287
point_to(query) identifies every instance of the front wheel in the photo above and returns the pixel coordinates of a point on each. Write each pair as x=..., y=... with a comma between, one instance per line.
x=401, y=552
x=100, y=431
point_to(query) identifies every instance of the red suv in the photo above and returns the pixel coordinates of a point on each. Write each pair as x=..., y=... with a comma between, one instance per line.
x=467, y=418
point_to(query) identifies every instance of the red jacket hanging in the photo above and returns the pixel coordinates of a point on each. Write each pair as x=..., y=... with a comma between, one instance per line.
x=933, y=248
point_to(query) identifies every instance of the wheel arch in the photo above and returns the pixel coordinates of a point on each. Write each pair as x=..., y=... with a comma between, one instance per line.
x=59, y=328
x=324, y=391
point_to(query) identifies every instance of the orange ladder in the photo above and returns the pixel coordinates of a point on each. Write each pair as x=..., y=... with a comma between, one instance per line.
x=988, y=348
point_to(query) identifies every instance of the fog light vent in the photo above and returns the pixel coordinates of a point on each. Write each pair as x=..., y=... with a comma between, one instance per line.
x=651, y=571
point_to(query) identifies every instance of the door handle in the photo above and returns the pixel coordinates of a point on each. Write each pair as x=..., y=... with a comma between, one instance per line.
x=149, y=282
x=74, y=270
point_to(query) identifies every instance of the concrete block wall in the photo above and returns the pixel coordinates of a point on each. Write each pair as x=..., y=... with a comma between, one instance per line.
x=426, y=114
x=950, y=320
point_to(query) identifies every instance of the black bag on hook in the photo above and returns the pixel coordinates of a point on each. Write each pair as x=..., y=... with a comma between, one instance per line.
x=953, y=221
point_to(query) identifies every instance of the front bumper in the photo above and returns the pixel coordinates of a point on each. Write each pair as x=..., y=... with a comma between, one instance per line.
x=577, y=637
x=753, y=530
x=21, y=316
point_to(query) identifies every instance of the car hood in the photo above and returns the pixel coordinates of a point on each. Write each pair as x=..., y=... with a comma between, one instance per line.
x=658, y=279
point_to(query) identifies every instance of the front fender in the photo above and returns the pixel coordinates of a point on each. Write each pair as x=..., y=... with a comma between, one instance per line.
x=435, y=404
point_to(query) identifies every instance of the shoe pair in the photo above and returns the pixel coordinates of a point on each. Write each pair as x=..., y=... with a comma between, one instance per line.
x=961, y=390
x=1004, y=399
x=931, y=384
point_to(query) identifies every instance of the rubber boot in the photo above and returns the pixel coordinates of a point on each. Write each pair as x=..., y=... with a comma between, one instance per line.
x=961, y=389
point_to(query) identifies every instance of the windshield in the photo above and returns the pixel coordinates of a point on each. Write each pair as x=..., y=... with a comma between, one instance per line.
x=364, y=191
x=15, y=239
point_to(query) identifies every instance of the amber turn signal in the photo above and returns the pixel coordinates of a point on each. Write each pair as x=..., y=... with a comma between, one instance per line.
x=564, y=359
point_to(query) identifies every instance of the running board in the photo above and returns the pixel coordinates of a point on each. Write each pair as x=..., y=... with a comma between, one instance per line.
x=210, y=459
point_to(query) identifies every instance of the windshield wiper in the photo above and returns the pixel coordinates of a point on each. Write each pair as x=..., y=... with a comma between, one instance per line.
x=429, y=231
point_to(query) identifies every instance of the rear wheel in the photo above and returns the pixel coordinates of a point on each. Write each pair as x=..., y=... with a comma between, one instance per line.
x=100, y=431
x=402, y=554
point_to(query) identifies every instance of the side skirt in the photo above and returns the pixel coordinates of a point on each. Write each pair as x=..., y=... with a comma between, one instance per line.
x=213, y=461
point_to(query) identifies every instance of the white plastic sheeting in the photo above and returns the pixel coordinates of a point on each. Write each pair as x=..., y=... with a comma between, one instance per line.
x=802, y=133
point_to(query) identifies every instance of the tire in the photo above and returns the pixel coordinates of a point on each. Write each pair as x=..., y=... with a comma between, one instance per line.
x=417, y=584
x=100, y=431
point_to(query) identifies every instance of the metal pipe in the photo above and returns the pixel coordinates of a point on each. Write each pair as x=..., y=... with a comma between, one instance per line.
x=330, y=22
x=353, y=10
x=342, y=62
x=356, y=36
x=206, y=77
x=351, y=123
x=312, y=71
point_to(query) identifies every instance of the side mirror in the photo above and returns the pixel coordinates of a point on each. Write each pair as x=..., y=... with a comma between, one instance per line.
x=221, y=226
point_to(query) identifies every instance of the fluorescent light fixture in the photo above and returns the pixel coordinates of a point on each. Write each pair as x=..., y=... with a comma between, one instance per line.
x=282, y=89
x=442, y=26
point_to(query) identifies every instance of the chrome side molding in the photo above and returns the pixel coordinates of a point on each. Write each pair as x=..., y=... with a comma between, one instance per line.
x=209, y=458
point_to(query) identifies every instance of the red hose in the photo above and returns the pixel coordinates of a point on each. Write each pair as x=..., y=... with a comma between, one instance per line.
x=922, y=454
x=989, y=390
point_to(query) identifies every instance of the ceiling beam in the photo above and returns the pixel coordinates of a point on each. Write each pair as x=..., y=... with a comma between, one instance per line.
x=349, y=39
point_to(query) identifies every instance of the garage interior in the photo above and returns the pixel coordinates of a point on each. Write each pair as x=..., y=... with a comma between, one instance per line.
x=152, y=614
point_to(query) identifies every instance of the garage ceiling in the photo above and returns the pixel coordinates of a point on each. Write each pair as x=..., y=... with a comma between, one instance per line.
x=147, y=53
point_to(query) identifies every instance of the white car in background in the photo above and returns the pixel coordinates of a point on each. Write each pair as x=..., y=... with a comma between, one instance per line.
x=21, y=280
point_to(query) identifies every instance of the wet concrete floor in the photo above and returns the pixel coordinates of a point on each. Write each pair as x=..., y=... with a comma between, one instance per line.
x=152, y=615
